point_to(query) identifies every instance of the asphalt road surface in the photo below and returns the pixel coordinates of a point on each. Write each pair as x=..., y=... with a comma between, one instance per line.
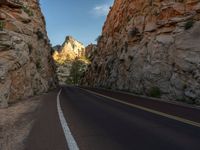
x=100, y=123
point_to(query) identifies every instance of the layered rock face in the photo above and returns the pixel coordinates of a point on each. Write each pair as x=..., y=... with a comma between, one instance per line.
x=26, y=66
x=65, y=55
x=149, y=45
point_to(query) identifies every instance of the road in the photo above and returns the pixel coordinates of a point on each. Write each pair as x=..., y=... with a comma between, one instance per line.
x=97, y=122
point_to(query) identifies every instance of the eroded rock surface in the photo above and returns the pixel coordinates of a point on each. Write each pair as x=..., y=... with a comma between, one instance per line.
x=147, y=44
x=26, y=66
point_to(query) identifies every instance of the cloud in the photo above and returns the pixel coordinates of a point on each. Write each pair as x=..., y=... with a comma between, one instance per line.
x=101, y=10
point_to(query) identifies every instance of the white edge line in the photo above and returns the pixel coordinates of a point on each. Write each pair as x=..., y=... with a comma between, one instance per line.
x=186, y=121
x=72, y=145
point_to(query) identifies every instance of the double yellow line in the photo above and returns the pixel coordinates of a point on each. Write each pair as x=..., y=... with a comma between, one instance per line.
x=186, y=121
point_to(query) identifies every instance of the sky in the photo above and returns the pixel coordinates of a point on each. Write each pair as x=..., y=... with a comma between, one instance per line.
x=82, y=19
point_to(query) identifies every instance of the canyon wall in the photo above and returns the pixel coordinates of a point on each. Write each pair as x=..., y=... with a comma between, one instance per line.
x=149, y=47
x=26, y=65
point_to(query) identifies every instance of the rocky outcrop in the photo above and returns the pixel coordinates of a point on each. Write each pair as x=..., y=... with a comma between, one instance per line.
x=26, y=66
x=147, y=45
x=90, y=51
x=65, y=55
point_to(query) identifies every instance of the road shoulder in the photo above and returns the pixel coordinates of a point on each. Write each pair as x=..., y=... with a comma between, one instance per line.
x=16, y=122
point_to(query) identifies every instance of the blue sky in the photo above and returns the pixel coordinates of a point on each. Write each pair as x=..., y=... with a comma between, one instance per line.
x=82, y=19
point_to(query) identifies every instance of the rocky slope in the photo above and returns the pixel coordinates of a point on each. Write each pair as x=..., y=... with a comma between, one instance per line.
x=26, y=66
x=65, y=55
x=150, y=47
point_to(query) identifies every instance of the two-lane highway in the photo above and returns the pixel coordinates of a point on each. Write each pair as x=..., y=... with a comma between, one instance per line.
x=99, y=123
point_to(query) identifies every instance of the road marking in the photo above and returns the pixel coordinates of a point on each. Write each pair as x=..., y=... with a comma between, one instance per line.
x=186, y=121
x=72, y=145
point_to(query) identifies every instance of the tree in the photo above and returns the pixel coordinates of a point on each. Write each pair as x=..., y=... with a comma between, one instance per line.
x=78, y=68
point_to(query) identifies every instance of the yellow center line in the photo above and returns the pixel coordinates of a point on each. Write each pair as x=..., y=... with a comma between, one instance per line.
x=186, y=121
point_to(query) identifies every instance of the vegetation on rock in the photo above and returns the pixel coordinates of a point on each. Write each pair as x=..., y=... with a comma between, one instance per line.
x=27, y=10
x=77, y=70
x=155, y=92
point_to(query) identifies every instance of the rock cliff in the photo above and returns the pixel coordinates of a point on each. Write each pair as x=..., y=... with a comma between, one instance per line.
x=65, y=55
x=90, y=51
x=26, y=66
x=150, y=47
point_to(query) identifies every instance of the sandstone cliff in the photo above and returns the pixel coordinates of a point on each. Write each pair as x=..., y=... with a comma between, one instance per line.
x=65, y=55
x=150, y=47
x=26, y=66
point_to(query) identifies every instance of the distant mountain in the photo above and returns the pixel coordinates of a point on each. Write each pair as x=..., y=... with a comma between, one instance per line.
x=66, y=55
x=70, y=49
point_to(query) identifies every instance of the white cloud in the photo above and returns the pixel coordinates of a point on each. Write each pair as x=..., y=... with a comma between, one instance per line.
x=101, y=10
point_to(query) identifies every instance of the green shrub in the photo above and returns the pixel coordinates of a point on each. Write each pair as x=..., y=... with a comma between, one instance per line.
x=77, y=70
x=189, y=24
x=1, y=25
x=190, y=101
x=27, y=10
x=155, y=92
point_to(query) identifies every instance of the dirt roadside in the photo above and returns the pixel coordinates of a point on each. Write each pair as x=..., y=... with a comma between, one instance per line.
x=16, y=122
